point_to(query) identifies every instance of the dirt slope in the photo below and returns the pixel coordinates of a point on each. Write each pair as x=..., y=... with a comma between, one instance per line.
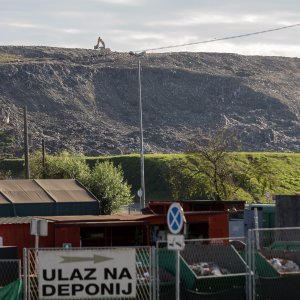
x=88, y=100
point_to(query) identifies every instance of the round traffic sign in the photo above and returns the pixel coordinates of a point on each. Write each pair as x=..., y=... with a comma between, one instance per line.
x=175, y=218
x=140, y=192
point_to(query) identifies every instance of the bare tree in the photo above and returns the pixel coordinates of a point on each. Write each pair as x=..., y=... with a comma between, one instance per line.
x=214, y=160
x=182, y=184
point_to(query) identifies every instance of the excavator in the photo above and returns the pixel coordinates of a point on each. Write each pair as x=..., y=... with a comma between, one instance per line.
x=98, y=43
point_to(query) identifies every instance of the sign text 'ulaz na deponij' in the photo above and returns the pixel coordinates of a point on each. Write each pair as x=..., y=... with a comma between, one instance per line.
x=80, y=274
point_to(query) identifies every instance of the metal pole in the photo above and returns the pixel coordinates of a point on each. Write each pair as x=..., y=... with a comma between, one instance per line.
x=25, y=273
x=26, y=148
x=37, y=237
x=153, y=277
x=253, y=282
x=177, y=295
x=141, y=205
x=256, y=228
x=141, y=138
x=249, y=267
x=44, y=158
x=36, y=243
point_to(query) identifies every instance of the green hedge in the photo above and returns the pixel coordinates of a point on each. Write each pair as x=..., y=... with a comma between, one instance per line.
x=284, y=166
x=14, y=166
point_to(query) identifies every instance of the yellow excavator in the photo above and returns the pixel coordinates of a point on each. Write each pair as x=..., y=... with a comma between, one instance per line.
x=100, y=41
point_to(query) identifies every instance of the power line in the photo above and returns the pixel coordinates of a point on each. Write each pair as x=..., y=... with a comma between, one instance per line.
x=219, y=39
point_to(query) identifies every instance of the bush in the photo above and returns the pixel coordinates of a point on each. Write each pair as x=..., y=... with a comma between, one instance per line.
x=108, y=185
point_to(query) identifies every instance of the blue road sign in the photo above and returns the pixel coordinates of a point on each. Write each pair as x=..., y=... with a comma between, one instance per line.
x=175, y=218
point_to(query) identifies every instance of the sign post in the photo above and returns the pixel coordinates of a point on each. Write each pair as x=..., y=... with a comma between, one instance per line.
x=140, y=194
x=175, y=220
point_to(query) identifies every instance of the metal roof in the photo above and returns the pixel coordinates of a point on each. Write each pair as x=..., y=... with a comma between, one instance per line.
x=15, y=220
x=24, y=191
x=116, y=219
x=2, y=199
x=119, y=217
x=98, y=218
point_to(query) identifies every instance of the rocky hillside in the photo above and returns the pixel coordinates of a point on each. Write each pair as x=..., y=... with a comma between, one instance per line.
x=87, y=100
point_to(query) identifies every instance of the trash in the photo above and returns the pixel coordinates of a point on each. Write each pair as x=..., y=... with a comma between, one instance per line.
x=275, y=262
x=142, y=276
x=284, y=265
x=207, y=269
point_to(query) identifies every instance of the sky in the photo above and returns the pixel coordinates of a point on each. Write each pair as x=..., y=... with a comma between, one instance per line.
x=134, y=25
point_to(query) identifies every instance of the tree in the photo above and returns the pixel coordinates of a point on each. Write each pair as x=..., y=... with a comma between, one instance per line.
x=181, y=182
x=262, y=178
x=6, y=144
x=108, y=185
x=105, y=180
x=214, y=161
x=3, y=173
x=62, y=165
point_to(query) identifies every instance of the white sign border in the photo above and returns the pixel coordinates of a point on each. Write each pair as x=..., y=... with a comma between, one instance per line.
x=180, y=211
x=58, y=253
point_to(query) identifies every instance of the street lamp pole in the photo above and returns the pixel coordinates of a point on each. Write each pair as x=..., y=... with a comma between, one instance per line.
x=141, y=137
x=142, y=190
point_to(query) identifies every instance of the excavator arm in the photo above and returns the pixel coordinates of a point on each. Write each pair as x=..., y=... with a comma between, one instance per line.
x=98, y=43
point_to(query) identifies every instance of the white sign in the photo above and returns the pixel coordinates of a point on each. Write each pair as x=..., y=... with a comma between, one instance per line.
x=39, y=227
x=140, y=192
x=175, y=218
x=87, y=274
x=175, y=241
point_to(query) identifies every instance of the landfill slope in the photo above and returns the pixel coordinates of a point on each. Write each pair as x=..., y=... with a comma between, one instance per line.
x=87, y=100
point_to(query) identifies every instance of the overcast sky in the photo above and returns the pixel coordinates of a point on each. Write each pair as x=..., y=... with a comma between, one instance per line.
x=127, y=25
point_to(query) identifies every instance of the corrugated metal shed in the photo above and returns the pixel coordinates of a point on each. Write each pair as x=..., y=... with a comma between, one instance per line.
x=44, y=197
x=109, y=230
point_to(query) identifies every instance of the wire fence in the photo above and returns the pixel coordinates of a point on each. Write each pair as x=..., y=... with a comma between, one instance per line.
x=10, y=270
x=274, y=258
x=266, y=266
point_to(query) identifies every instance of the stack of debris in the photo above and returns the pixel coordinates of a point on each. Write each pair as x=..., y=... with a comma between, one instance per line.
x=284, y=265
x=208, y=268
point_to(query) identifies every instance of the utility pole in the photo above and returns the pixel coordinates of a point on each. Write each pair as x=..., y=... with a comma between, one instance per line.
x=142, y=190
x=44, y=158
x=141, y=138
x=26, y=148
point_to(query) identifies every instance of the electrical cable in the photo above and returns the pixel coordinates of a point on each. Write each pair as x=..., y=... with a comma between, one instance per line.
x=218, y=39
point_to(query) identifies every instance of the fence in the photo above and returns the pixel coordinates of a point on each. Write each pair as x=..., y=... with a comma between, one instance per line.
x=274, y=257
x=265, y=267
x=10, y=271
